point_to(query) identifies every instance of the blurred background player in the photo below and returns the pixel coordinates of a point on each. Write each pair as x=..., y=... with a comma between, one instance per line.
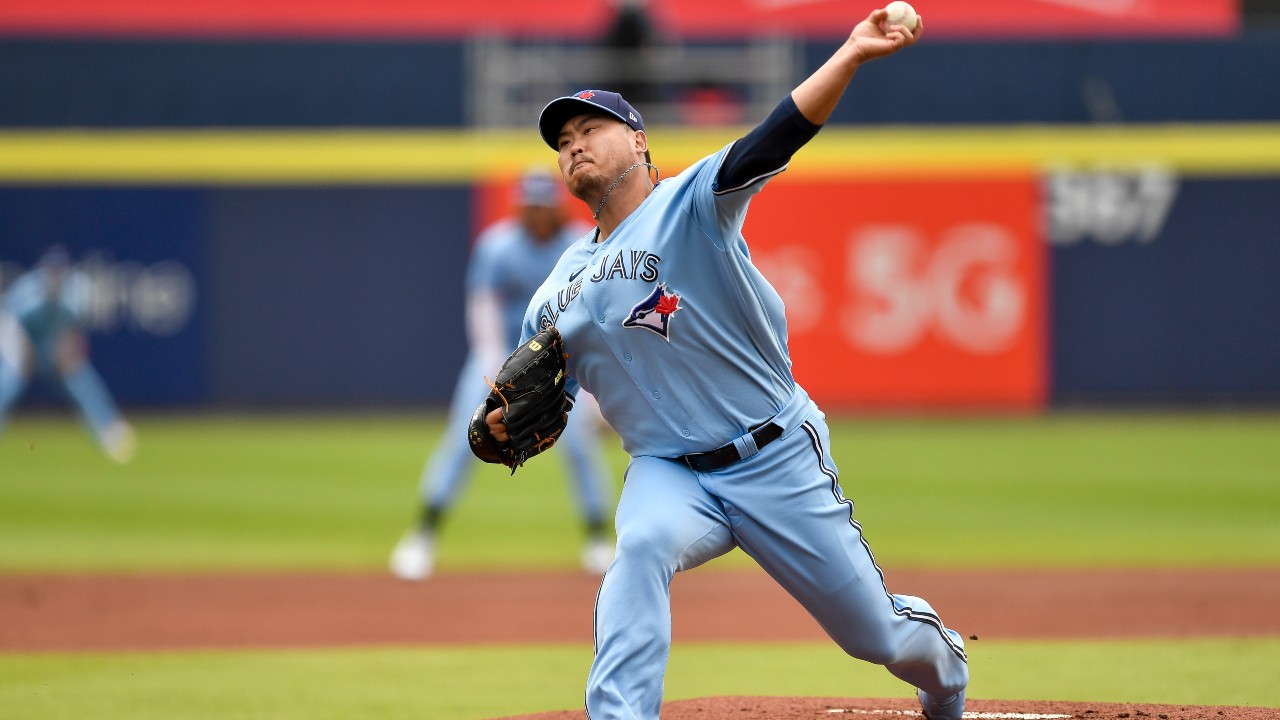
x=42, y=334
x=510, y=260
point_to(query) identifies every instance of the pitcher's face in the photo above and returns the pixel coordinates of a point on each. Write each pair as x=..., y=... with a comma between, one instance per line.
x=594, y=152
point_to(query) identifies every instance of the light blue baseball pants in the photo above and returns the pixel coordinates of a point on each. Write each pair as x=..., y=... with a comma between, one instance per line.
x=784, y=507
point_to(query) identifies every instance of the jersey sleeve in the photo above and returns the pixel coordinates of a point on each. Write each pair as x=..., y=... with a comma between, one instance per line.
x=25, y=295
x=766, y=150
x=482, y=268
x=484, y=328
x=729, y=179
x=77, y=295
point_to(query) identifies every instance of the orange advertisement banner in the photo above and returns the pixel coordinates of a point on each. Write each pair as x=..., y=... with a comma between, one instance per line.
x=909, y=294
x=900, y=294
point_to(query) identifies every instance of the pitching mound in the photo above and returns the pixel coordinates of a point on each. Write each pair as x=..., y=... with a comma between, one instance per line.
x=780, y=708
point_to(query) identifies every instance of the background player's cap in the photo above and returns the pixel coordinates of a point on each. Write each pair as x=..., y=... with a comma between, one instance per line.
x=561, y=110
x=538, y=187
x=56, y=256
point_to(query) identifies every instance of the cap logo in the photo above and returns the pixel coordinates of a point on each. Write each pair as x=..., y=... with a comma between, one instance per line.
x=632, y=116
x=585, y=95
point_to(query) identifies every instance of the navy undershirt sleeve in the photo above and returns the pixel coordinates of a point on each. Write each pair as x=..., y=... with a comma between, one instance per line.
x=766, y=149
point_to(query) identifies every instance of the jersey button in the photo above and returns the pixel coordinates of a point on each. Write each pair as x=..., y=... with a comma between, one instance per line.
x=684, y=432
x=601, y=318
x=627, y=357
x=656, y=394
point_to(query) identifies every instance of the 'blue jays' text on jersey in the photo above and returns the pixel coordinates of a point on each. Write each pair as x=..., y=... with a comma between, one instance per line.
x=668, y=324
x=509, y=263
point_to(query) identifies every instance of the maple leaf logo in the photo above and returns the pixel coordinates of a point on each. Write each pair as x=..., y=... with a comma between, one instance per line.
x=668, y=304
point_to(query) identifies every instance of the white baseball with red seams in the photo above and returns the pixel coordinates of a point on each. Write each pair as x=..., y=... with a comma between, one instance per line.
x=901, y=13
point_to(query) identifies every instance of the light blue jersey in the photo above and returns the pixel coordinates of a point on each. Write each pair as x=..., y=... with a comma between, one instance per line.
x=507, y=262
x=42, y=314
x=672, y=302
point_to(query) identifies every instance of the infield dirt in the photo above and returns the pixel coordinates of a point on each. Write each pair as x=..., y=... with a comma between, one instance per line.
x=778, y=708
x=137, y=612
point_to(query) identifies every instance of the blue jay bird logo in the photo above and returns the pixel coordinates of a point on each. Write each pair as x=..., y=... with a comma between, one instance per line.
x=654, y=312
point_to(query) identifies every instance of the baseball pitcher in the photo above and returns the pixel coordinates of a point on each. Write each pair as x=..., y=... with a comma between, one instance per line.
x=683, y=343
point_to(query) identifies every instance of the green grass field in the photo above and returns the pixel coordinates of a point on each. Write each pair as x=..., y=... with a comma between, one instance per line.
x=314, y=493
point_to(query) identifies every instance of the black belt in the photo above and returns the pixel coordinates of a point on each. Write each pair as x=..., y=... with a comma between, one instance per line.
x=728, y=455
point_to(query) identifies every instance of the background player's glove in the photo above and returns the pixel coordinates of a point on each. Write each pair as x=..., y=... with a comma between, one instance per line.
x=530, y=389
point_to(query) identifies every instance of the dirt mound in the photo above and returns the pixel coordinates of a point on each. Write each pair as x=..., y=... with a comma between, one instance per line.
x=70, y=613
x=785, y=708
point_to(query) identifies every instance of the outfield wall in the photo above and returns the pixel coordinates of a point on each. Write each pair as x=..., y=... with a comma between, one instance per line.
x=284, y=220
x=261, y=296
x=936, y=268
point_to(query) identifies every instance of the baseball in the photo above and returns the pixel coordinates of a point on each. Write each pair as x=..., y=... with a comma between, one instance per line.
x=901, y=13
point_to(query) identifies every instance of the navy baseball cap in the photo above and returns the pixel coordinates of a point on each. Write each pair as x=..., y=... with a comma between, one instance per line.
x=561, y=110
x=56, y=256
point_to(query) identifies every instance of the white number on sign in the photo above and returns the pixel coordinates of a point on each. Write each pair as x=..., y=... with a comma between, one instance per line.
x=966, y=290
x=1110, y=207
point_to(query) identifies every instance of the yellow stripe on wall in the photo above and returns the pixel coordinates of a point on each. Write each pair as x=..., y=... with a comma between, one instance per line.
x=309, y=157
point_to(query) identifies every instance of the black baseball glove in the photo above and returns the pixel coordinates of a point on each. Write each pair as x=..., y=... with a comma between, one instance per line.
x=530, y=389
